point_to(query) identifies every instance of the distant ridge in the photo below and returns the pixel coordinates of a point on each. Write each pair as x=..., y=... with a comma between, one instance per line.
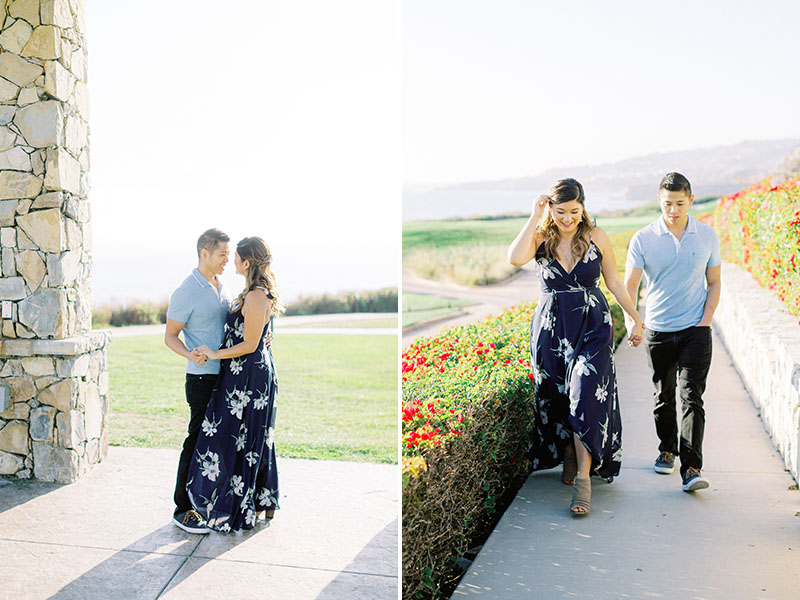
x=713, y=172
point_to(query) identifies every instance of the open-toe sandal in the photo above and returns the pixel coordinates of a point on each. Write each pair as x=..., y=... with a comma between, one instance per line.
x=581, y=497
x=570, y=466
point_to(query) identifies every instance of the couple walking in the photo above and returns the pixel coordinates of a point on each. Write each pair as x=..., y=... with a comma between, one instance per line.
x=226, y=473
x=572, y=344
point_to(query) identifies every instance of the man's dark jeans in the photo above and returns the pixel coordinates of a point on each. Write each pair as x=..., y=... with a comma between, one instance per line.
x=198, y=393
x=680, y=359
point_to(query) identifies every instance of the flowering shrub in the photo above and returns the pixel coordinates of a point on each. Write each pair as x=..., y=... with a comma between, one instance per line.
x=759, y=229
x=467, y=417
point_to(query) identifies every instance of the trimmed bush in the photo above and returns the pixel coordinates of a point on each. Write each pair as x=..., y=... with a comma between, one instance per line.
x=759, y=230
x=384, y=300
x=134, y=313
x=467, y=420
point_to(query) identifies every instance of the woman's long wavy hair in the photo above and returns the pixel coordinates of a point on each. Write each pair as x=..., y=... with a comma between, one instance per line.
x=259, y=274
x=565, y=190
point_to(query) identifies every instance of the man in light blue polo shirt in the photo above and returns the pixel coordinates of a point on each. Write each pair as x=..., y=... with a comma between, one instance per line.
x=198, y=308
x=679, y=257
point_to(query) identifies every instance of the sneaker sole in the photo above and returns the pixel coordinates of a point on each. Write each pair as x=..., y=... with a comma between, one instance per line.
x=189, y=529
x=700, y=484
x=664, y=470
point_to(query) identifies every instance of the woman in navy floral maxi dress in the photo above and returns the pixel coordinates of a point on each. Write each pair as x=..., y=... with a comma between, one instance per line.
x=233, y=475
x=572, y=341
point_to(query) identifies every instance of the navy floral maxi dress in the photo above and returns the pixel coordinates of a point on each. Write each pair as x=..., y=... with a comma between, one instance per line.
x=233, y=473
x=572, y=356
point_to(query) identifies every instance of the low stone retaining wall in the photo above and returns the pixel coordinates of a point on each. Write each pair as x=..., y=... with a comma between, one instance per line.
x=764, y=341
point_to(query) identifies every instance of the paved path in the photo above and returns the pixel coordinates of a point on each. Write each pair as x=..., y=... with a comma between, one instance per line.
x=109, y=536
x=490, y=299
x=645, y=538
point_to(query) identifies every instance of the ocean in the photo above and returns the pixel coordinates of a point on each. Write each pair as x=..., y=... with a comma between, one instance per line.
x=423, y=203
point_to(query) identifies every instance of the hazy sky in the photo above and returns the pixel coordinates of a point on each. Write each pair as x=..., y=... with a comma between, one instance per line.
x=509, y=88
x=271, y=118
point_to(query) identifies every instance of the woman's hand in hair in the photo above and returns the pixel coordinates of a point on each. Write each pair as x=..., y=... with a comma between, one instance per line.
x=539, y=205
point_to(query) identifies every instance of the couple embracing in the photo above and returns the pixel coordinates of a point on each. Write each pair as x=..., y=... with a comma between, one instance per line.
x=227, y=477
x=578, y=421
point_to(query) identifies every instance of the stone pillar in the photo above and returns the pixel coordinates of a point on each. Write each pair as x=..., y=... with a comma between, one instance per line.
x=55, y=366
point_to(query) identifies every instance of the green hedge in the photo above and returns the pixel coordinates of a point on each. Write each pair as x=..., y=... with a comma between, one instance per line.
x=467, y=420
x=759, y=229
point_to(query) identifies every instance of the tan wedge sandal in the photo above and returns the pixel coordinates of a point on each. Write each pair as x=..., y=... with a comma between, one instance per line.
x=581, y=497
x=570, y=465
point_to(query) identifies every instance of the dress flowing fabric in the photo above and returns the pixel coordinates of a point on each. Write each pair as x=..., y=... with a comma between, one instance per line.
x=233, y=473
x=572, y=356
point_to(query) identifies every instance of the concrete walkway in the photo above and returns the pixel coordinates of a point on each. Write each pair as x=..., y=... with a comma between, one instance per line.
x=109, y=536
x=645, y=538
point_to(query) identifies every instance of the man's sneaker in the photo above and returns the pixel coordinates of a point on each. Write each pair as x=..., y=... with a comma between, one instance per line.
x=693, y=481
x=665, y=463
x=191, y=521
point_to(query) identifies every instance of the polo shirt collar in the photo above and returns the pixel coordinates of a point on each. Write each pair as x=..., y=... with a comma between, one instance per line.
x=661, y=227
x=203, y=281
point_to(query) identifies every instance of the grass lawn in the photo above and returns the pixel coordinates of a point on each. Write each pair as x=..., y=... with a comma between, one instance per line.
x=337, y=396
x=421, y=307
x=369, y=323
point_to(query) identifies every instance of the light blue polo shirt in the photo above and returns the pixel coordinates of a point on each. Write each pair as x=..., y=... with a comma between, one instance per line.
x=674, y=271
x=203, y=309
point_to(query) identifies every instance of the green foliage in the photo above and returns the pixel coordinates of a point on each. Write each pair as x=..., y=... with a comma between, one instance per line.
x=759, y=229
x=384, y=300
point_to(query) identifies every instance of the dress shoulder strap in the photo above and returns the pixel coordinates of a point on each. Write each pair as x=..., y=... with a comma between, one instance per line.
x=270, y=296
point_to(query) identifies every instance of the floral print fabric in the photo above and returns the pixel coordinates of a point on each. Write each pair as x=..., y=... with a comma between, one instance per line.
x=233, y=473
x=572, y=357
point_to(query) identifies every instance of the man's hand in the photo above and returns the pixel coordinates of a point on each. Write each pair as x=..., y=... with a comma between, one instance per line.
x=268, y=340
x=198, y=357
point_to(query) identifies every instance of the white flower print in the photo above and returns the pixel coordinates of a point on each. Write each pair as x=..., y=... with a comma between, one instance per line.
x=606, y=317
x=547, y=271
x=210, y=427
x=251, y=458
x=250, y=517
x=566, y=348
x=260, y=402
x=210, y=465
x=601, y=394
x=247, y=499
x=242, y=438
x=237, y=485
x=270, y=437
x=548, y=318
x=591, y=254
x=225, y=528
x=267, y=498
x=236, y=366
x=581, y=368
x=574, y=399
x=239, y=328
x=237, y=400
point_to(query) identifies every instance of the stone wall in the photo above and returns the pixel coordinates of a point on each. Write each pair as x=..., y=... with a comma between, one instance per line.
x=764, y=341
x=54, y=425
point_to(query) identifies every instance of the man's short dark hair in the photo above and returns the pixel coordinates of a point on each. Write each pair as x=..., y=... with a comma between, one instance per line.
x=210, y=239
x=675, y=182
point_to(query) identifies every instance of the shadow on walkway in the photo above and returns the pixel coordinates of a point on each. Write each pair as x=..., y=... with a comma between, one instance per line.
x=351, y=583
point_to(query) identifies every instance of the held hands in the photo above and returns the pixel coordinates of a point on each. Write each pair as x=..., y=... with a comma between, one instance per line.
x=635, y=334
x=203, y=353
